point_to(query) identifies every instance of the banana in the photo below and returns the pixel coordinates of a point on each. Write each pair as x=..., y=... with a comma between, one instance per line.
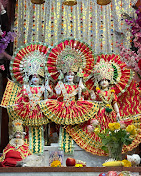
x=113, y=163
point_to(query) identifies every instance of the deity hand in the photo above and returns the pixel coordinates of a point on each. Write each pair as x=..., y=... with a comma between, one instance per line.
x=93, y=96
x=58, y=89
x=79, y=93
x=47, y=87
x=81, y=85
x=118, y=116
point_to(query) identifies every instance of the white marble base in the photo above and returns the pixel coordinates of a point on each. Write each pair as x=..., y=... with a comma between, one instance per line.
x=79, y=154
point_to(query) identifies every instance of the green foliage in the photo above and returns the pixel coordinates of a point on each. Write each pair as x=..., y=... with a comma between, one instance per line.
x=118, y=137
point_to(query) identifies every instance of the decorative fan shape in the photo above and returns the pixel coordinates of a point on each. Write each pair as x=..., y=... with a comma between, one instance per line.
x=16, y=66
x=122, y=75
x=70, y=54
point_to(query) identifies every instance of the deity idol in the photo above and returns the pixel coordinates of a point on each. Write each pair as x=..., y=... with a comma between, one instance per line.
x=105, y=94
x=111, y=86
x=32, y=91
x=28, y=88
x=67, y=109
x=16, y=149
x=27, y=101
x=68, y=65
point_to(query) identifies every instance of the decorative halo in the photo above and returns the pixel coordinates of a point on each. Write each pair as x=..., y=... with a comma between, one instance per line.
x=70, y=54
x=122, y=75
x=17, y=69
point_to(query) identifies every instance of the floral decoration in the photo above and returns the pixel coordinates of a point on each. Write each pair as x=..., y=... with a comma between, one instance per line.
x=115, y=136
x=114, y=133
x=126, y=163
x=6, y=39
x=56, y=163
x=78, y=165
x=2, y=67
x=130, y=57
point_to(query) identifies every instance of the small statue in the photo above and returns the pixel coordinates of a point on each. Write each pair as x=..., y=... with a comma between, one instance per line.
x=17, y=149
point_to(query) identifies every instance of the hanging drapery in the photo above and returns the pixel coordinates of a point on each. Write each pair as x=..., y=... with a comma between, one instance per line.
x=99, y=26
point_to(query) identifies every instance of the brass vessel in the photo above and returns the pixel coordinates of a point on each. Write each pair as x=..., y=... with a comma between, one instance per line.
x=37, y=1
x=103, y=2
x=70, y=2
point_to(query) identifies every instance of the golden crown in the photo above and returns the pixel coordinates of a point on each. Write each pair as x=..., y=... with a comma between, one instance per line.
x=103, y=70
x=34, y=63
x=70, y=60
x=17, y=126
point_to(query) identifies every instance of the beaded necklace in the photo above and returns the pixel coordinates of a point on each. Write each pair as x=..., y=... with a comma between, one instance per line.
x=106, y=102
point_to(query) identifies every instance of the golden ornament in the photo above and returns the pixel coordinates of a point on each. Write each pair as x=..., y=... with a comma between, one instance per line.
x=37, y=1
x=70, y=2
x=103, y=2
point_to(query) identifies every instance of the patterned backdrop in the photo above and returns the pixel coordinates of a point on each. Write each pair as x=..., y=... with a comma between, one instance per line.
x=99, y=26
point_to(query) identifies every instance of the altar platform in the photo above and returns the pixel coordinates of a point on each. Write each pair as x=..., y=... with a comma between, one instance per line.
x=64, y=171
x=79, y=154
x=93, y=166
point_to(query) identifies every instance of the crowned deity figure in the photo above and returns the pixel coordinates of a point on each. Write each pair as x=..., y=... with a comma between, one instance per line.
x=28, y=87
x=105, y=94
x=16, y=149
x=67, y=64
x=111, y=86
x=32, y=91
x=68, y=68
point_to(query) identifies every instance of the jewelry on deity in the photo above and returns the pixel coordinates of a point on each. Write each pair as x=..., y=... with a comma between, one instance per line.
x=106, y=102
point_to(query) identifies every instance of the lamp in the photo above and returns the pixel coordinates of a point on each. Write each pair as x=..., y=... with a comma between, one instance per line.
x=37, y=1
x=70, y=2
x=103, y=2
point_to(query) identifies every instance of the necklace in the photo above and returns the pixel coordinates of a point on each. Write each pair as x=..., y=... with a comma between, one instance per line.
x=106, y=101
x=34, y=99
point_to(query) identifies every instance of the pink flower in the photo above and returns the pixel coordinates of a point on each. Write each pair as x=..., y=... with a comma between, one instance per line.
x=90, y=128
x=3, y=34
x=2, y=67
x=122, y=124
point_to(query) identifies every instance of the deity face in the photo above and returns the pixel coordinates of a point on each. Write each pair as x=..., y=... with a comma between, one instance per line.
x=18, y=135
x=104, y=83
x=70, y=76
x=35, y=80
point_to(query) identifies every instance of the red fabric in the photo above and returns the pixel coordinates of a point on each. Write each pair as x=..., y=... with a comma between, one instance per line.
x=13, y=154
x=11, y=159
